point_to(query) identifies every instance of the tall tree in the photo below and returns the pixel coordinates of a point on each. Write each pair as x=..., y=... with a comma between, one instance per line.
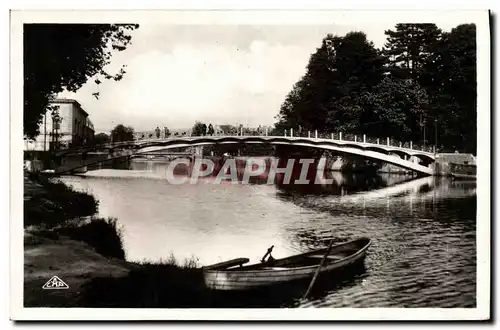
x=290, y=114
x=409, y=46
x=360, y=67
x=66, y=56
x=121, y=133
x=328, y=97
x=450, y=80
x=101, y=138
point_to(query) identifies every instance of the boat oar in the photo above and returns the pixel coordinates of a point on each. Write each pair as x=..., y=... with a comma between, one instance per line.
x=318, y=270
x=267, y=253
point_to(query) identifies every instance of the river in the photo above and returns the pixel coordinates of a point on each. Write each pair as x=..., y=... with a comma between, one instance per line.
x=423, y=230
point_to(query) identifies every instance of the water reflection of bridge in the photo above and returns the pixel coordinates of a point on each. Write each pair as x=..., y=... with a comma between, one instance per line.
x=423, y=188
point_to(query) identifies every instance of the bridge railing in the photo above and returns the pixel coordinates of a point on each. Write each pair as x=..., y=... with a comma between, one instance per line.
x=338, y=136
x=360, y=138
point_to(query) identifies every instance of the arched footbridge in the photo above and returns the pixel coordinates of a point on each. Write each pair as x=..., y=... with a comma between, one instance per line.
x=409, y=158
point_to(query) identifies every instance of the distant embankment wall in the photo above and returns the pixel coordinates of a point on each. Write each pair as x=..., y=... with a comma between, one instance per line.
x=445, y=162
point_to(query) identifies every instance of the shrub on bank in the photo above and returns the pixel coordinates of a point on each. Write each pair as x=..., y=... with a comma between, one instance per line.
x=51, y=203
x=104, y=235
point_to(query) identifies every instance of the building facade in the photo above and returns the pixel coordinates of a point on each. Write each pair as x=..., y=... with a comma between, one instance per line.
x=71, y=128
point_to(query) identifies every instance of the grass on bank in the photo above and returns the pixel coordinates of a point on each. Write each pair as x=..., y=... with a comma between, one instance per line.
x=150, y=285
x=48, y=203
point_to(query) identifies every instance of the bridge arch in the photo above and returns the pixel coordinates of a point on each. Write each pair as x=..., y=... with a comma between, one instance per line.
x=368, y=150
x=370, y=154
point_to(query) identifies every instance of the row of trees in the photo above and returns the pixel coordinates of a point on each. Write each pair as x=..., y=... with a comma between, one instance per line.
x=119, y=133
x=422, y=82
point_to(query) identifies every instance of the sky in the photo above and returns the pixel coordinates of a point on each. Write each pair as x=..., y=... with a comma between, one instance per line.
x=219, y=74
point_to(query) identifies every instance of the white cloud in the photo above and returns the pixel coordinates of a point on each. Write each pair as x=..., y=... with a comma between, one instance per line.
x=198, y=82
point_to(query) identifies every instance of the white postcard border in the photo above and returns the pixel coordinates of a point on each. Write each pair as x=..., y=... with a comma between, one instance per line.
x=480, y=18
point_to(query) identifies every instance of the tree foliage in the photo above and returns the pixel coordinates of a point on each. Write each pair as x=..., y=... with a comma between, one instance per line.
x=423, y=80
x=227, y=129
x=199, y=129
x=101, y=138
x=61, y=57
x=121, y=133
x=331, y=93
x=450, y=79
x=397, y=106
x=408, y=48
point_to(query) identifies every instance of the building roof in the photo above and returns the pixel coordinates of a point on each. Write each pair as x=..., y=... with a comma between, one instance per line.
x=70, y=101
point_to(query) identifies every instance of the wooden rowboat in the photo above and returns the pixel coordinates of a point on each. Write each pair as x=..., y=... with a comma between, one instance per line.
x=461, y=176
x=232, y=275
x=463, y=171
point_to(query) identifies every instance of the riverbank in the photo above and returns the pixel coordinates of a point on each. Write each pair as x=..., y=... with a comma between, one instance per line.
x=97, y=281
x=74, y=262
x=63, y=239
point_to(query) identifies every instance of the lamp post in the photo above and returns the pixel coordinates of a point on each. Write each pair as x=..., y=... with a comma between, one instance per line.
x=56, y=119
x=55, y=128
x=45, y=132
x=111, y=133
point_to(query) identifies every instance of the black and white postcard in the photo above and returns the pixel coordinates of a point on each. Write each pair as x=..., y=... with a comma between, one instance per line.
x=250, y=165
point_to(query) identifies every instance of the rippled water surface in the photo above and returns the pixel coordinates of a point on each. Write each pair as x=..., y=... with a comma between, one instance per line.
x=423, y=231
